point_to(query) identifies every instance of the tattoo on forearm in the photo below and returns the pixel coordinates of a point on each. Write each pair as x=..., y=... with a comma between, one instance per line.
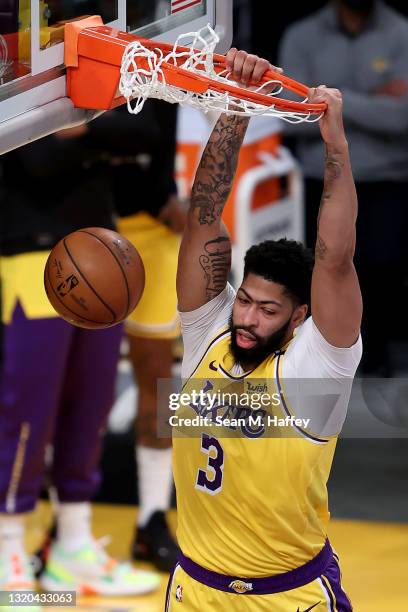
x=217, y=168
x=216, y=263
x=333, y=171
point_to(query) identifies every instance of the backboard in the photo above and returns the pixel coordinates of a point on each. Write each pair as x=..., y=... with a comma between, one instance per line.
x=33, y=100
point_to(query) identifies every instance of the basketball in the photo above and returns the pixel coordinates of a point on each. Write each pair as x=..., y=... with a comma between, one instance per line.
x=94, y=278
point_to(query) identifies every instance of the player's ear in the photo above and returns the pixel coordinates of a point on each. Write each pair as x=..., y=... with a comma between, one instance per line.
x=300, y=314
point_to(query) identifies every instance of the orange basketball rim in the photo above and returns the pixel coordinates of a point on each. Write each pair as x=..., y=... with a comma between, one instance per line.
x=94, y=56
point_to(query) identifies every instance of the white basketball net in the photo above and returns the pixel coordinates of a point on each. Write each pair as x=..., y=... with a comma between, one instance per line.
x=136, y=85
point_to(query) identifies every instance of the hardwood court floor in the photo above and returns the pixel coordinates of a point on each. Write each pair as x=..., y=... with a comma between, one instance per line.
x=373, y=555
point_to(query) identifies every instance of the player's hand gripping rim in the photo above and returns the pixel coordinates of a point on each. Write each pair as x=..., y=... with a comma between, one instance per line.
x=331, y=122
x=248, y=69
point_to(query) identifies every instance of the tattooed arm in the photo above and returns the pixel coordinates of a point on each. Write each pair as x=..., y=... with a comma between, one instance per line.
x=205, y=252
x=336, y=297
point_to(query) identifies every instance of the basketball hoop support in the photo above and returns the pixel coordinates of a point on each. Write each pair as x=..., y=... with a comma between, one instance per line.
x=93, y=55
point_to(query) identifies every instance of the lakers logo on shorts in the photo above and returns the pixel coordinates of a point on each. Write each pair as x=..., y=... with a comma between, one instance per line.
x=239, y=586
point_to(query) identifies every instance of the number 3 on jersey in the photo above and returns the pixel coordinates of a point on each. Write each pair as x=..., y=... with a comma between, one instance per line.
x=210, y=480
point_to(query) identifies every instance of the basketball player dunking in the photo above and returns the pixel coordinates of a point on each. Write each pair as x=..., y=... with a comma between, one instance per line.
x=253, y=513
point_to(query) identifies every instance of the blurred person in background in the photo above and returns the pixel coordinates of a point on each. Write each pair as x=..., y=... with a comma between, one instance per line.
x=136, y=156
x=139, y=154
x=361, y=47
x=56, y=380
x=147, y=182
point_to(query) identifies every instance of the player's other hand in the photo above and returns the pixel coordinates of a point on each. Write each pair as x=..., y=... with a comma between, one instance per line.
x=331, y=124
x=248, y=69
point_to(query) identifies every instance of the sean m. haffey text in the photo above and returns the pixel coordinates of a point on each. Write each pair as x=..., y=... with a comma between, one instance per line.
x=247, y=411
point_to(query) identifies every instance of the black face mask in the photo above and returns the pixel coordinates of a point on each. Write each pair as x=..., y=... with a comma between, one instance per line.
x=263, y=348
x=362, y=6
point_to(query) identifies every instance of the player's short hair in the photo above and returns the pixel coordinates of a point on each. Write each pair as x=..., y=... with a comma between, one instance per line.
x=286, y=262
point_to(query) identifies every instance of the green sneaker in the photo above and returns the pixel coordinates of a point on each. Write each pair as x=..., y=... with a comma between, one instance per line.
x=90, y=571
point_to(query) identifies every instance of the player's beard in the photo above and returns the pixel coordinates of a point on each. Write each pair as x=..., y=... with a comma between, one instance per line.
x=264, y=347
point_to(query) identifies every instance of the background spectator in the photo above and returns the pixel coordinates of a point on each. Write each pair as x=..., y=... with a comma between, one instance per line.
x=366, y=56
x=146, y=183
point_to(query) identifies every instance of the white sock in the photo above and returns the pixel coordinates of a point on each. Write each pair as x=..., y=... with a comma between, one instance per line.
x=155, y=475
x=12, y=535
x=73, y=525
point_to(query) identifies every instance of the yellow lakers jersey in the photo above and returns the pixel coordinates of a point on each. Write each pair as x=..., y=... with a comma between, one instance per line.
x=248, y=504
